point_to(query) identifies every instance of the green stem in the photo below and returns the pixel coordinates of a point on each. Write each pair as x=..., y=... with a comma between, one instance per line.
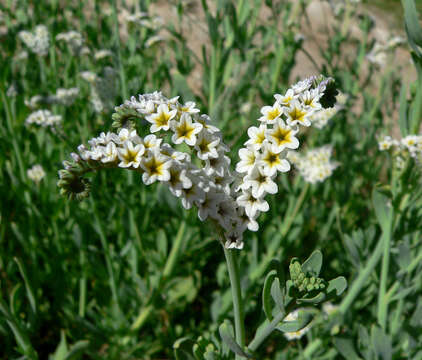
x=362, y=277
x=142, y=317
x=233, y=268
x=262, y=335
x=382, y=298
x=311, y=348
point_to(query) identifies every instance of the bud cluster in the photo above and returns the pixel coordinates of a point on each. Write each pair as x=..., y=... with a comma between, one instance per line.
x=303, y=282
x=185, y=151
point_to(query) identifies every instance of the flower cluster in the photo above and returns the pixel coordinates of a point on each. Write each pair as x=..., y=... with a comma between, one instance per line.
x=103, y=88
x=36, y=173
x=264, y=154
x=315, y=165
x=200, y=176
x=411, y=145
x=62, y=96
x=379, y=53
x=38, y=41
x=73, y=39
x=43, y=118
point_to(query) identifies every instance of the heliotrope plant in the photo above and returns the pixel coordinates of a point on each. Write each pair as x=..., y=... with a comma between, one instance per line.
x=185, y=151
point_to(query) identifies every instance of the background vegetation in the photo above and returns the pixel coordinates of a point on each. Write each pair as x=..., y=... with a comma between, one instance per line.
x=128, y=272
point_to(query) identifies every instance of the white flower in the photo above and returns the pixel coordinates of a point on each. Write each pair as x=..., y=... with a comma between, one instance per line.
x=36, y=173
x=43, y=118
x=286, y=98
x=234, y=240
x=109, y=153
x=102, y=54
x=206, y=123
x=125, y=135
x=257, y=136
x=185, y=130
x=131, y=156
x=260, y=183
x=66, y=96
x=178, y=180
x=283, y=136
x=192, y=195
x=188, y=108
x=310, y=98
x=156, y=167
x=385, y=143
x=271, y=160
x=38, y=42
x=243, y=221
x=206, y=145
x=248, y=157
x=303, y=85
x=151, y=142
x=161, y=120
x=217, y=166
x=73, y=39
x=252, y=204
x=296, y=114
x=270, y=114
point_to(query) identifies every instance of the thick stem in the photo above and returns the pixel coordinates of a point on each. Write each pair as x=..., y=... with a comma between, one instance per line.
x=233, y=268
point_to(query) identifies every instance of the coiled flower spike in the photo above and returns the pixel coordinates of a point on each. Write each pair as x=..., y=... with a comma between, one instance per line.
x=233, y=199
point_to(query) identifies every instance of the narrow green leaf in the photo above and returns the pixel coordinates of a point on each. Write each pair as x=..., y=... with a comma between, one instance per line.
x=413, y=28
x=61, y=351
x=77, y=349
x=313, y=264
x=28, y=287
x=266, y=294
x=380, y=202
x=415, y=111
x=21, y=337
